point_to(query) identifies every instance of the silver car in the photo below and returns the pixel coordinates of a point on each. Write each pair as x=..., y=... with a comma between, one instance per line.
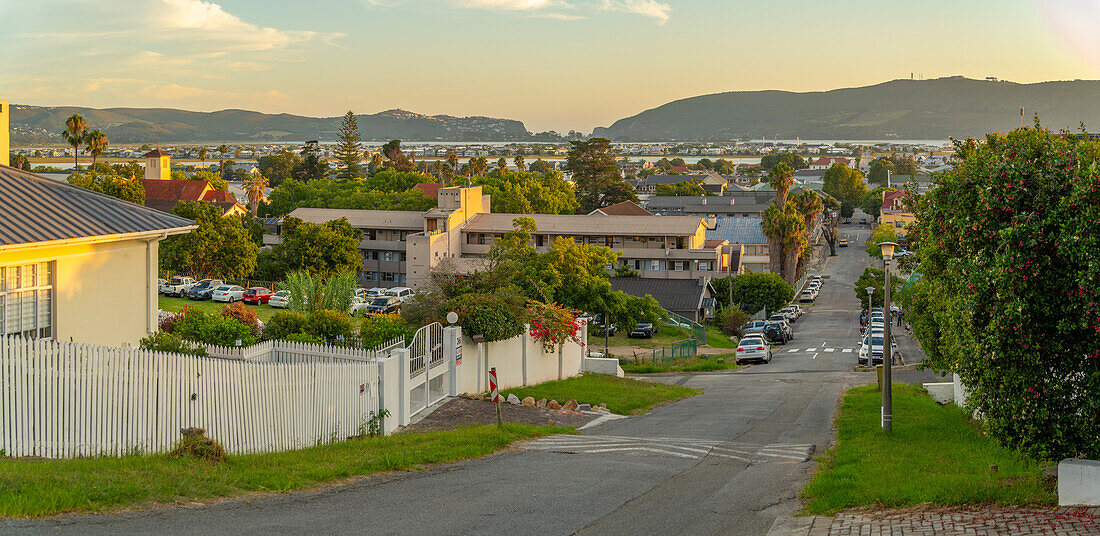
x=754, y=349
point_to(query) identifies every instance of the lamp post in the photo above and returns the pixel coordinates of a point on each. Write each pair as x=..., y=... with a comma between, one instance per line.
x=887, y=342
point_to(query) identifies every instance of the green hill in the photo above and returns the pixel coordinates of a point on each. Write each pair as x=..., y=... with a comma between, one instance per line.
x=903, y=109
x=162, y=125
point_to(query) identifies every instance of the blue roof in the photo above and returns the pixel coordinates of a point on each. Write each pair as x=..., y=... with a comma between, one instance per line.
x=737, y=230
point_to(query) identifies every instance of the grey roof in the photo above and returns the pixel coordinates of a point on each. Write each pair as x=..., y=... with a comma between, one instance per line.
x=589, y=225
x=673, y=294
x=36, y=209
x=738, y=230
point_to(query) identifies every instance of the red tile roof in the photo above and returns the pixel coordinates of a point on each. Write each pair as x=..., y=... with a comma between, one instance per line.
x=155, y=153
x=173, y=189
x=680, y=169
x=892, y=200
x=625, y=208
x=430, y=189
x=219, y=196
x=824, y=161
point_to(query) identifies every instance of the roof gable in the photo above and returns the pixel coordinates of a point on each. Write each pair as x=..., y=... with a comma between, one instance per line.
x=623, y=208
x=672, y=294
x=177, y=190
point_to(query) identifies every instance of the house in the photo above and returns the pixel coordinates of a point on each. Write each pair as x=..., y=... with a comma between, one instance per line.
x=624, y=208
x=76, y=264
x=894, y=214
x=711, y=182
x=747, y=237
x=164, y=195
x=685, y=297
x=826, y=162
x=158, y=165
x=680, y=169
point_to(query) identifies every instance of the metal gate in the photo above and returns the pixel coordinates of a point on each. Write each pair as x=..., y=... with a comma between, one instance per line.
x=427, y=368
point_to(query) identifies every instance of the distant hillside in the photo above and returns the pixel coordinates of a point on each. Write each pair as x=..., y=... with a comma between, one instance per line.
x=904, y=109
x=163, y=125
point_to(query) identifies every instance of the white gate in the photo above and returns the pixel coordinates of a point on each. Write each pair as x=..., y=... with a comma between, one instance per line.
x=427, y=368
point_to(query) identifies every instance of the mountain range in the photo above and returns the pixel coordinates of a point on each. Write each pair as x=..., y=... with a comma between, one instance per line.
x=900, y=109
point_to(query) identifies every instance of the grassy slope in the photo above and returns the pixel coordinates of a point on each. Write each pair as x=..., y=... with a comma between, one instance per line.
x=263, y=312
x=36, y=488
x=695, y=364
x=665, y=336
x=622, y=395
x=935, y=454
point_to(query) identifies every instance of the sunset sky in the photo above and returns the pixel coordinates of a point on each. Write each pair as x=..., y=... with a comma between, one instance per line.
x=553, y=64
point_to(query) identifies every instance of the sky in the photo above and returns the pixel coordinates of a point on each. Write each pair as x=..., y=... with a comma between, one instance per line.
x=553, y=64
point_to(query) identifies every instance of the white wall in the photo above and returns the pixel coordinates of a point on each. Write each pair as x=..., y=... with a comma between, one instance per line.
x=519, y=361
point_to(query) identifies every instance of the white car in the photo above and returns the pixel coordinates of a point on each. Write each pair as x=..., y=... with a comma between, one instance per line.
x=754, y=348
x=280, y=299
x=808, y=296
x=228, y=293
x=402, y=293
x=358, y=305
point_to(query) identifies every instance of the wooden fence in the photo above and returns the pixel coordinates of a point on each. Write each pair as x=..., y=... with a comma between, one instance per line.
x=62, y=400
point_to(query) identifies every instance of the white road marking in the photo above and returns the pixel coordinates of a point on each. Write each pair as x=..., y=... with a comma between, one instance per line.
x=847, y=350
x=814, y=356
x=680, y=448
x=829, y=350
x=792, y=350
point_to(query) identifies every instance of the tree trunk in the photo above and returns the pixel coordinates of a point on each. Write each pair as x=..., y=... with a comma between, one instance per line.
x=775, y=256
x=790, y=265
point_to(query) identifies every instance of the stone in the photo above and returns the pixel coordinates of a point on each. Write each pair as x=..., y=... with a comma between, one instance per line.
x=584, y=407
x=1050, y=474
x=528, y=401
x=513, y=399
x=570, y=406
x=549, y=422
x=1078, y=482
x=603, y=405
x=553, y=404
x=541, y=403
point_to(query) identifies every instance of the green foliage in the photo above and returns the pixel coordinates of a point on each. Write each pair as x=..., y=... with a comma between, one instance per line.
x=221, y=246
x=1007, y=298
x=596, y=175
x=379, y=328
x=847, y=210
x=794, y=161
x=882, y=233
x=386, y=190
x=873, y=277
x=525, y=193
x=163, y=341
x=309, y=292
x=872, y=202
x=693, y=187
x=329, y=325
x=283, y=324
x=731, y=319
x=754, y=291
x=552, y=325
x=895, y=165
x=624, y=396
x=311, y=167
x=497, y=316
x=625, y=271
x=244, y=314
x=347, y=150
x=279, y=166
x=195, y=445
x=195, y=325
x=112, y=185
x=845, y=184
x=317, y=248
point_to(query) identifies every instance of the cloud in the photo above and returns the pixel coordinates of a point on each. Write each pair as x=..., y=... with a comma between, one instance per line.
x=505, y=5
x=208, y=20
x=173, y=92
x=646, y=8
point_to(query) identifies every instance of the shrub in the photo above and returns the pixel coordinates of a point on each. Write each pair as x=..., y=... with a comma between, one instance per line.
x=194, y=325
x=303, y=337
x=552, y=324
x=162, y=341
x=731, y=320
x=241, y=313
x=497, y=316
x=195, y=444
x=329, y=325
x=377, y=329
x=283, y=324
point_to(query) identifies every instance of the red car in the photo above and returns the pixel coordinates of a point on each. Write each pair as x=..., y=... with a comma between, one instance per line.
x=257, y=295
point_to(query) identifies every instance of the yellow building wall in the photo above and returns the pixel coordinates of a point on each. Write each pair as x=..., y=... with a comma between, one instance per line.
x=104, y=293
x=5, y=140
x=158, y=168
x=905, y=218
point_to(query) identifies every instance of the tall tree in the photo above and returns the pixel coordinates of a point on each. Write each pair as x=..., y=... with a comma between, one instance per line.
x=809, y=205
x=780, y=179
x=279, y=166
x=348, y=148
x=97, y=142
x=254, y=187
x=222, y=149
x=396, y=159
x=792, y=160
x=202, y=155
x=312, y=166
x=598, y=180
x=519, y=163
x=220, y=247
x=845, y=184
x=75, y=130
x=502, y=164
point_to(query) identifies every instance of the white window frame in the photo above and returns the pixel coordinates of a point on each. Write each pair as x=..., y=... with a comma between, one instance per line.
x=34, y=317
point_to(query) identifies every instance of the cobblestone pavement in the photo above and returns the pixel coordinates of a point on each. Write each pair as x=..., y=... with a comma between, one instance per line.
x=981, y=522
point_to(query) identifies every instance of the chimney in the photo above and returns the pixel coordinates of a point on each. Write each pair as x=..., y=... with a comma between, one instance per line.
x=5, y=141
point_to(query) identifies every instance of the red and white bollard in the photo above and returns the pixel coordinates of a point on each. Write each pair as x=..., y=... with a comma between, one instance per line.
x=494, y=394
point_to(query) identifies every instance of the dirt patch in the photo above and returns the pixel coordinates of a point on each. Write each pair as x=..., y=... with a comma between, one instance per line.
x=459, y=412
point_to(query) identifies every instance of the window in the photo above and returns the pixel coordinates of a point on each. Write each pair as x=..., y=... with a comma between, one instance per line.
x=656, y=265
x=704, y=266
x=387, y=276
x=899, y=224
x=26, y=300
x=636, y=265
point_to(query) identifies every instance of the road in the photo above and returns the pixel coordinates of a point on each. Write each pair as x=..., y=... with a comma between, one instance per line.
x=726, y=462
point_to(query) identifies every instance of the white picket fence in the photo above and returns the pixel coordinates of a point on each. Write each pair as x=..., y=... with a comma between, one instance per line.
x=300, y=352
x=62, y=399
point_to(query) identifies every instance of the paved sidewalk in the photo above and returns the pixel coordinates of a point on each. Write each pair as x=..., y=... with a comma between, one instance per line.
x=972, y=522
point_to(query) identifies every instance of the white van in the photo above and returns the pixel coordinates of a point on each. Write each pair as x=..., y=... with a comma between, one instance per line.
x=402, y=293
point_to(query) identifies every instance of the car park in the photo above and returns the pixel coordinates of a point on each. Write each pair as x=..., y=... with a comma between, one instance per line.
x=257, y=295
x=279, y=299
x=753, y=349
x=177, y=286
x=204, y=290
x=774, y=333
x=386, y=305
x=227, y=293
x=402, y=293
x=644, y=330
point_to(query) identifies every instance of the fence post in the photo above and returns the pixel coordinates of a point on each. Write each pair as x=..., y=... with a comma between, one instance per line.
x=452, y=351
x=404, y=401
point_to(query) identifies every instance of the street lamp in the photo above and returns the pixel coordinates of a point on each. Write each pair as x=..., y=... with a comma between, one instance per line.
x=887, y=343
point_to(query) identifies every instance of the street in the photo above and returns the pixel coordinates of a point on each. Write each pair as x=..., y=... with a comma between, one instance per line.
x=726, y=462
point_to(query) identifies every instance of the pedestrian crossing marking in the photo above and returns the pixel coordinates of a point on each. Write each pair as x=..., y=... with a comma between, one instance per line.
x=847, y=350
x=829, y=350
x=674, y=447
x=792, y=350
x=826, y=350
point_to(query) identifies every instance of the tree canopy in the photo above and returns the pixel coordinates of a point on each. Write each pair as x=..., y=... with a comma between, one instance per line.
x=386, y=190
x=596, y=174
x=794, y=161
x=754, y=291
x=845, y=184
x=220, y=247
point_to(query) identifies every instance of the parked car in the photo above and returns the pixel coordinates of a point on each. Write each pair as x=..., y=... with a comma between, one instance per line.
x=797, y=308
x=807, y=296
x=789, y=313
x=843, y=242
x=203, y=290
x=754, y=349
x=160, y=284
x=376, y=292
x=358, y=305
x=643, y=330
x=782, y=321
x=257, y=295
x=402, y=293
x=774, y=333
x=847, y=220
x=863, y=221
x=228, y=293
x=598, y=327
x=386, y=305
x=753, y=327
x=177, y=286
x=279, y=299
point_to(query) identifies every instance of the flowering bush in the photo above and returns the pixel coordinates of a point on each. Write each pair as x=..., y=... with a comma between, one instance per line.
x=243, y=314
x=552, y=324
x=1007, y=298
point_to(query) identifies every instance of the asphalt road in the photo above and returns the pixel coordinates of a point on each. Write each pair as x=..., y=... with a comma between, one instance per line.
x=726, y=462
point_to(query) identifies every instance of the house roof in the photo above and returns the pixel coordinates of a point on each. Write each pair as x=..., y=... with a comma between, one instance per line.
x=219, y=196
x=156, y=152
x=825, y=161
x=624, y=208
x=738, y=230
x=654, y=180
x=680, y=169
x=408, y=220
x=36, y=209
x=173, y=189
x=672, y=294
x=430, y=189
x=590, y=224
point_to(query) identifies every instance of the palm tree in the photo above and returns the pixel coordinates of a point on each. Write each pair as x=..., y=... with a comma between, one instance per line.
x=519, y=163
x=502, y=164
x=97, y=142
x=202, y=156
x=810, y=206
x=786, y=232
x=254, y=189
x=75, y=129
x=771, y=222
x=223, y=148
x=780, y=179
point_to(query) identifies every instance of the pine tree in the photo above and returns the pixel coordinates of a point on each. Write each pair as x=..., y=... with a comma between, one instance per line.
x=348, y=152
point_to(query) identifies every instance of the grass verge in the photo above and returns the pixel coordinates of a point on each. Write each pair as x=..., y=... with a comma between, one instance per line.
x=700, y=363
x=175, y=305
x=38, y=488
x=624, y=396
x=935, y=454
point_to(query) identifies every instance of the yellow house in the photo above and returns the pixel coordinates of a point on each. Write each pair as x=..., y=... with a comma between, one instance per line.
x=76, y=264
x=4, y=139
x=894, y=214
x=158, y=165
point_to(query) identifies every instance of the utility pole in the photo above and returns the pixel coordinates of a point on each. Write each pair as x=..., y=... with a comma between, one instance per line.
x=887, y=343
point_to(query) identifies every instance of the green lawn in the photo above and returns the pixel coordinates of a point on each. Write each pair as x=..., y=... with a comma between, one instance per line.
x=38, y=488
x=935, y=454
x=665, y=336
x=692, y=364
x=168, y=303
x=622, y=395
